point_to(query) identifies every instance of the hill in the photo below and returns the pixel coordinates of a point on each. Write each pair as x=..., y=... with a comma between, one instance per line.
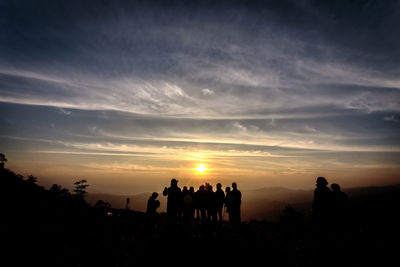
x=56, y=228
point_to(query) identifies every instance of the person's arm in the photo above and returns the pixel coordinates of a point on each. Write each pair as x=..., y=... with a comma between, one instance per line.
x=165, y=192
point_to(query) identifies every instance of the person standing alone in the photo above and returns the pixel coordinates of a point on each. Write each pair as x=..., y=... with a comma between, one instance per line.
x=236, y=201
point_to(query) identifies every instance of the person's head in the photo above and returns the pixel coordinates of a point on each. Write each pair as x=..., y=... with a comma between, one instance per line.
x=206, y=186
x=219, y=186
x=185, y=189
x=227, y=189
x=191, y=189
x=154, y=195
x=335, y=187
x=321, y=182
x=174, y=182
x=234, y=186
x=201, y=187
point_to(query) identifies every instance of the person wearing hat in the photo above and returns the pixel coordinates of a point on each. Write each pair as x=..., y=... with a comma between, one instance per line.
x=174, y=200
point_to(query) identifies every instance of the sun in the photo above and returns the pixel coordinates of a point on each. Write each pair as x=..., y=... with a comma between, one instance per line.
x=201, y=168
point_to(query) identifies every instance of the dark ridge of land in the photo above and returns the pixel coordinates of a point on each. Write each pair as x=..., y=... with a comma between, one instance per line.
x=56, y=228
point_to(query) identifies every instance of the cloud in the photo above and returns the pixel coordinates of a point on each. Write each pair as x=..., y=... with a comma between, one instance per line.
x=64, y=111
x=140, y=64
x=207, y=92
x=350, y=131
x=224, y=79
x=393, y=118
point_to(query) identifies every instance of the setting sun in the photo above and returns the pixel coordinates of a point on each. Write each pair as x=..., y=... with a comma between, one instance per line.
x=201, y=168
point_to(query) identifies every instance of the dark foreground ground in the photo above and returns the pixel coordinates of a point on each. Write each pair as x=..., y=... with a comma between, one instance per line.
x=55, y=228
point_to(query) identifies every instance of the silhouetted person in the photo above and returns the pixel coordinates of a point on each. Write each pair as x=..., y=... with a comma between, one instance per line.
x=220, y=198
x=321, y=207
x=322, y=198
x=191, y=192
x=196, y=204
x=227, y=202
x=174, y=200
x=187, y=204
x=184, y=192
x=211, y=204
x=201, y=205
x=153, y=204
x=340, y=205
x=236, y=201
x=340, y=200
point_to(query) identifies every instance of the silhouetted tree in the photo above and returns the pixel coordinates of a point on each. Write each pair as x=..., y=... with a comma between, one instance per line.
x=80, y=188
x=102, y=204
x=3, y=160
x=58, y=191
x=31, y=179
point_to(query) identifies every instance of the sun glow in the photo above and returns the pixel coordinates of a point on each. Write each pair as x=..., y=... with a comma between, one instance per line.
x=201, y=168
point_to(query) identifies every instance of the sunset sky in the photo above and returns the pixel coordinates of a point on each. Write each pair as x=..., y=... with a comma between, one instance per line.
x=129, y=94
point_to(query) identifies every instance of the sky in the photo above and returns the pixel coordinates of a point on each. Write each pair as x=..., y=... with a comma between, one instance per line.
x=129, y=94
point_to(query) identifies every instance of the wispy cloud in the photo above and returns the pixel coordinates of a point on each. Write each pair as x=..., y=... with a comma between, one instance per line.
x=281, y=91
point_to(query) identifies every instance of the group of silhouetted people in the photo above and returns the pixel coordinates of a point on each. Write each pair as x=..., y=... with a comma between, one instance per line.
x=208, y=206
x=330, y=205
x=204, y=205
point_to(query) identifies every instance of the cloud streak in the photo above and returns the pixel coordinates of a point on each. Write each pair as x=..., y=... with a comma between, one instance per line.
x=207, y=81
